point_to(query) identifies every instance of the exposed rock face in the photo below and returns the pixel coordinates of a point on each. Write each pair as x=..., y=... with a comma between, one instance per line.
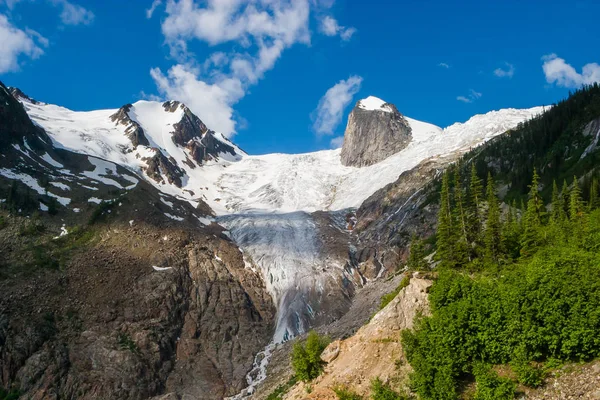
x=111, y=327
x=375, y=131
x=372, y=352
x=159, y=166
x=134, y=131
x=140, y=301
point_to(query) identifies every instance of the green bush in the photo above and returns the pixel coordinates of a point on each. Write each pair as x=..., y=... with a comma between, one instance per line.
x=306, y=357
x=527, y=374
x=52, y=206
x=2, y=222
x=101, y=212
x=545, y=307
x=382, y=391
x=282, y=389
x=344, y=393
x=490, y=386
x=13, y=394
x=127, y=343
x=32, y=227
x=387, y=298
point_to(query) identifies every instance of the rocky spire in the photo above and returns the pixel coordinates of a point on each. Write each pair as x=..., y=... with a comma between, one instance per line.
x=375, y=131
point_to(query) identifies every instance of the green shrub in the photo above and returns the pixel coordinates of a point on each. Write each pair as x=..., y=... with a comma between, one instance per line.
x=387, y=298
x=527, y=374
x=490, y=386
x=101, y=212
x=42, y=258
x=13, y=394
x=306, y=357
x=32, y=227
x=52, y=206
x=344, y=393
x=544, y=307
x=2, y=222
x=282, y=389
x=383, y=391
x=126, y=343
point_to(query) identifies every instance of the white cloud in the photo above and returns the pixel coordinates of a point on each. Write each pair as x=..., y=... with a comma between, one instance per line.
x=330, y=110
x=330, y=27
x=336, y=142
x=73, y=14
x=211, y=102
x=558, y=72
x=153, y=7
x=262, y=30
x=444, y=65
x=17, y=43
x=471, y=97
x=508, y=72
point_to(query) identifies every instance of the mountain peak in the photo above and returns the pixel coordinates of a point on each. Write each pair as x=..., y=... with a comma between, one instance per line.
x=19, y=95
x=371, y=137
x=373, y=103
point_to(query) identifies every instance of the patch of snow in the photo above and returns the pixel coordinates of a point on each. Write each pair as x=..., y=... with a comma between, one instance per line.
x=46, y=157
x=175, y=217
x=88, y=187
x=373, y=103
x=161, y=268
x=76, y=210
x=43, y=207
x=24, y=178
x=592, y=145
x=60, y=185
x=63, y=232
x=95, y=200
x=205, y=221
x=168, y=203
x=101, y=170
x=131, y=223
x=218, y=258
x=65, y=201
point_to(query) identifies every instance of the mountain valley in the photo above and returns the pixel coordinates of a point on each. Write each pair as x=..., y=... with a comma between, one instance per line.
x=145, y=255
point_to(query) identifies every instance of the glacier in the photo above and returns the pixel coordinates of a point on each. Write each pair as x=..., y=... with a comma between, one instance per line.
x=267, y=201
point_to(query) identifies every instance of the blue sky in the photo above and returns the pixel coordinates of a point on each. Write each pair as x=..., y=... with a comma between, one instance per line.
x=262, y=70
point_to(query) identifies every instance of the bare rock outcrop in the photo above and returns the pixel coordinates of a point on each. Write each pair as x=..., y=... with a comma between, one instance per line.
x=373, y=351
x=111, y=326
x=375, y=131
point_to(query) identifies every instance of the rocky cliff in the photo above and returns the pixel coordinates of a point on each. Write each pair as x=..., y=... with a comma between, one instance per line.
x=375, y=131
x=110, y=289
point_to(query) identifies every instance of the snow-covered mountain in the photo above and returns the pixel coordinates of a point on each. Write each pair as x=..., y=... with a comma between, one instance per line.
x=231, y=181
x=266, y=201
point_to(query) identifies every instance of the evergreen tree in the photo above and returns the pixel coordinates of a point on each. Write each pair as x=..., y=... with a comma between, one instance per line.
x=461, y=246
x=532, y=219
x=475, y=186
x=594, y=202
x=558, y=205
x=474, y=220
x=416, y=256
x=575, y=203
x=511, y=232
x=492, y=234
x=565, y=198
x=445, y=229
